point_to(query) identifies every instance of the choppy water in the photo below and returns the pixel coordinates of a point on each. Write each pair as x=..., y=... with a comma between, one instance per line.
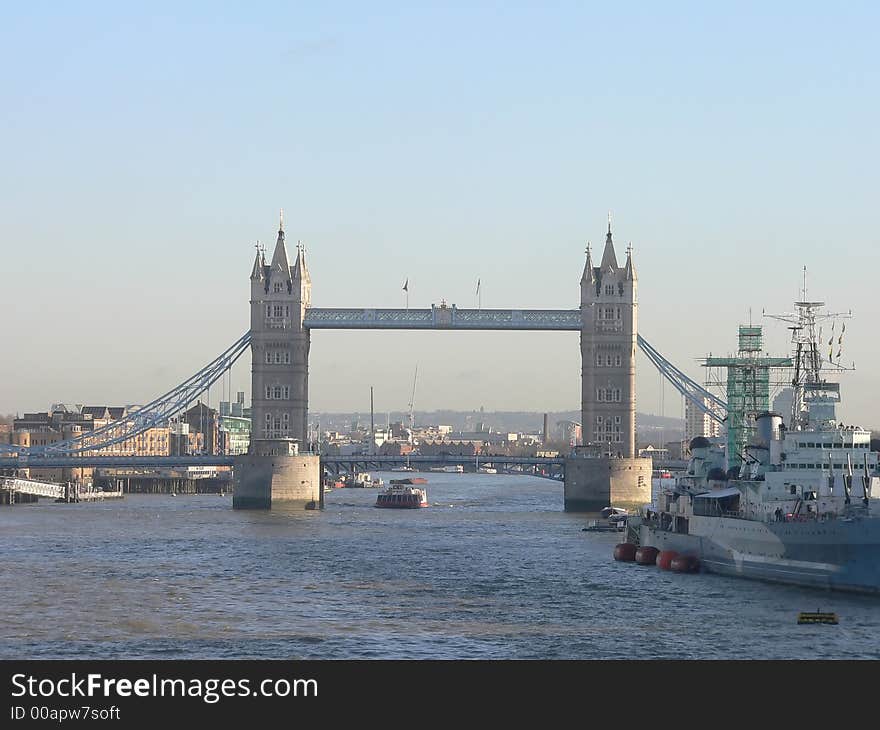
x=493, y=569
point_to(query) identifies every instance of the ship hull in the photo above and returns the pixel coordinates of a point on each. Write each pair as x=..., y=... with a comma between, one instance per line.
x=833, y=555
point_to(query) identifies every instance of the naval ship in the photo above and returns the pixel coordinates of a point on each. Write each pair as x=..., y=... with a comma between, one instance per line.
x=797, y=509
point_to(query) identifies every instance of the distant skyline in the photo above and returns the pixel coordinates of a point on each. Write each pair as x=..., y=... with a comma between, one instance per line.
x=148, y=149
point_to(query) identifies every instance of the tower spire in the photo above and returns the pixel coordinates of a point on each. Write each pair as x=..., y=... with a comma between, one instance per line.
x=257, y=270
x=630, y=268
x=280, y=260
x=588, y=275
x=609, y=258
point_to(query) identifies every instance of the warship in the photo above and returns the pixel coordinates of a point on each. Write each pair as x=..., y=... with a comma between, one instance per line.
x=791, y=504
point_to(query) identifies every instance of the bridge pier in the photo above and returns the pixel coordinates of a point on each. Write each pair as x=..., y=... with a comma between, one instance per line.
x=594, y=483
x=273, y=472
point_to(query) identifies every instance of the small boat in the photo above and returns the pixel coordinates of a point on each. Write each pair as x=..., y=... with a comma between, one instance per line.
x=614, y=514
x=362, y=480
x=402, y=496
x=598, y=526
x=487, y=470
x=817, y=617
x=410, y=480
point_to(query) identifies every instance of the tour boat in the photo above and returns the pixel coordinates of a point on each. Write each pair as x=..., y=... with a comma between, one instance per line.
x=402, y=496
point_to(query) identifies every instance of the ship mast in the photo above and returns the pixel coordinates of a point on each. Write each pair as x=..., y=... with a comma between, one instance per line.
x=809, y=364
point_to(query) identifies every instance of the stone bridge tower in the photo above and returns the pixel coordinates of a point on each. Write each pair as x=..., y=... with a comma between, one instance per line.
x=609, y=325
x=277, y=467
x=604, y=470
x=280, y=295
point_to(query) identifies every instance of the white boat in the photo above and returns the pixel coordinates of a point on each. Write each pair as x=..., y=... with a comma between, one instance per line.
x=363, y=480
x=402, y=496
x=487, y=470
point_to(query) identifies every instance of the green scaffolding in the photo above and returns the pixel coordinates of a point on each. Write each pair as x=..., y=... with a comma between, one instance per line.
x=748, y=389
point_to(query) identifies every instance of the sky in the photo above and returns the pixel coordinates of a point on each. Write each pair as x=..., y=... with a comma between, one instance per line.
x=146, y=147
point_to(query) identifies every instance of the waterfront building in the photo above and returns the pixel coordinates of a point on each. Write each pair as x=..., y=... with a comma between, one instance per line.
x=234, y=434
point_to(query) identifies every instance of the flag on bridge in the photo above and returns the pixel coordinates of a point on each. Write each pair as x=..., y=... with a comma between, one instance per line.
x=406, y=285
x=478, y=286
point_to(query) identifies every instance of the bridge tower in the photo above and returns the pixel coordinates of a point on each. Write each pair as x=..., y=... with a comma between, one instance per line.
x=277, y=467
x=609, y=326
x=280, y=295
x=604, y=469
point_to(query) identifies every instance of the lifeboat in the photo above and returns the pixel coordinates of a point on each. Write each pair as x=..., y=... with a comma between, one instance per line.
x=646, y=555
x=625, y=551
x=685, y=564
x=665, y=558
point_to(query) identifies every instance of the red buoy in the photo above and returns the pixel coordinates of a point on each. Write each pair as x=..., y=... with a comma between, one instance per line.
x=665, y=558
x=685, y=564
x=625, y=551
x=646, y=555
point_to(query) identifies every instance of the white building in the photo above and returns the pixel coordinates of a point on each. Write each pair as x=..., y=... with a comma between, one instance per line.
x=697, y=423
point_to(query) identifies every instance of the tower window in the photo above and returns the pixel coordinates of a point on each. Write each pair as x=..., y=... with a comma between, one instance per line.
x=268, y=310
x=609, y=289
x=617, y=360
x=268, y=392
x=277, y=357
x=286, y=392
x=268, y=357
x=277, y=310
x=287, y=358
x=277, y=287
x=277, y=392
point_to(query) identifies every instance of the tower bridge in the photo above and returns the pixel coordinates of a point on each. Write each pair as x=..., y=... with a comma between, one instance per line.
x=603, y=469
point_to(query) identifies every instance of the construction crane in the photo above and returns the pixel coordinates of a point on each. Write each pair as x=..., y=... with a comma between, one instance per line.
x=412, y=399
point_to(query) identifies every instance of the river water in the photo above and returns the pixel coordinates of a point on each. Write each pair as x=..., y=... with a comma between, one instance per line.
x=493, y=569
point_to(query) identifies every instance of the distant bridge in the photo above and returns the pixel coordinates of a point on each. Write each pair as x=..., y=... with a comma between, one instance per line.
x=552, y=467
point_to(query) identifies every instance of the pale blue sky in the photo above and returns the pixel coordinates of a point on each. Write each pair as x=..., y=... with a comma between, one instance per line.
x=144, y=150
